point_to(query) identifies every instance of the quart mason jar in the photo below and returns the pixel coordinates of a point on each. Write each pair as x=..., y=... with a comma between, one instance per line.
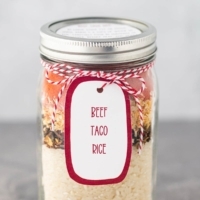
x=98, y=110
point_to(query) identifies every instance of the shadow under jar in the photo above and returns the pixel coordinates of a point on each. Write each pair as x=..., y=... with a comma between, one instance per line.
x=98, y=111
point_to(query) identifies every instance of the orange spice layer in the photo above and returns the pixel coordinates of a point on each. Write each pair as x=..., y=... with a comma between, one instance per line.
x=50, y=92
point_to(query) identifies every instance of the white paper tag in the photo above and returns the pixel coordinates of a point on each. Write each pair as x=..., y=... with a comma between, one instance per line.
x=97, y=132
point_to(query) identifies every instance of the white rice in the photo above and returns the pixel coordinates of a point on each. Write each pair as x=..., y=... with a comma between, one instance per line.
x=59, y=186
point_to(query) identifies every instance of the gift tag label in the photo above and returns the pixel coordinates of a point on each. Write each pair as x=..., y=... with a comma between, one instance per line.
x=97, y=132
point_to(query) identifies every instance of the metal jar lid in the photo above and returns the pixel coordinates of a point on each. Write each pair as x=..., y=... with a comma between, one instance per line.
x=98, y=40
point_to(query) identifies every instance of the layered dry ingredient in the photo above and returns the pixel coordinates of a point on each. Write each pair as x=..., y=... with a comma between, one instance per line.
x=55, y=139
x=58, y=184
x=56, y=181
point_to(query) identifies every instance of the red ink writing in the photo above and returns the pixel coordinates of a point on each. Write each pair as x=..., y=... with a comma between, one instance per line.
x=99, y=130
x=98, y=148
x=98, y=111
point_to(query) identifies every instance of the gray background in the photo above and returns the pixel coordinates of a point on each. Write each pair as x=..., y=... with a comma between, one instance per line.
x=178, y=176
x=178, y=58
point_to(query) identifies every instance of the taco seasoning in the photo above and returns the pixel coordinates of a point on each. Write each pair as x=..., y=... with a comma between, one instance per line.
x=98, y=109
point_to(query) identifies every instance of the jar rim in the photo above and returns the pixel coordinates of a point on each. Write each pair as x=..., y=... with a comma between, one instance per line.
x=120, y=40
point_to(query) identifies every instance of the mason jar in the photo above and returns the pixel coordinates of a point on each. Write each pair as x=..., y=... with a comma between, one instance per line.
x=98, y=111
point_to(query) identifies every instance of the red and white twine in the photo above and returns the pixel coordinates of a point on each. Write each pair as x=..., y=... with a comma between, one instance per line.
x=117, y=77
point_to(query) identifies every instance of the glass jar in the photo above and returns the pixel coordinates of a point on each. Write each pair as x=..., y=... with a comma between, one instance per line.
x=98, y=110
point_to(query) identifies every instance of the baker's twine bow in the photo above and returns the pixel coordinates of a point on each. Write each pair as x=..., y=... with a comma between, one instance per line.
x=69, y=74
